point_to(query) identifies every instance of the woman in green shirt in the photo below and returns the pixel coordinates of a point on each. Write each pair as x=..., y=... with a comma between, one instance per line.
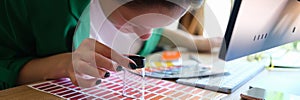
x=37, y=35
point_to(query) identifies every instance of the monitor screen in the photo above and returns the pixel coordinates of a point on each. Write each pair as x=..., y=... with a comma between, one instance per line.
x=257, y=25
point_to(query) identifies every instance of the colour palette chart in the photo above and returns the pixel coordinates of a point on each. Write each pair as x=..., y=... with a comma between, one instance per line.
x=111, y=88
x=175, y=70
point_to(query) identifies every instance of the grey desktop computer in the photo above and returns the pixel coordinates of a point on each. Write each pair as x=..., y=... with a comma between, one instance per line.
x=257, y=25
x=254, y=26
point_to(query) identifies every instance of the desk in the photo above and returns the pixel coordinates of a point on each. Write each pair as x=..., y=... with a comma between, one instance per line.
x=288, y=82
x=289, y=85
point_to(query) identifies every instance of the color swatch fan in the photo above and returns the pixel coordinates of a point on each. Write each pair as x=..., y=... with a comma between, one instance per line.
x=175, y=64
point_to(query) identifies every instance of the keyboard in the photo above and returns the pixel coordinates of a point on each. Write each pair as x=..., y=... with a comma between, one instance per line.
x=239, y=72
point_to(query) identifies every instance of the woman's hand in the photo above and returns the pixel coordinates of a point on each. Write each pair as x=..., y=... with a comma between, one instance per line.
x=92, y=61
x=89, y=63
x=207, y=44
x=181, y=38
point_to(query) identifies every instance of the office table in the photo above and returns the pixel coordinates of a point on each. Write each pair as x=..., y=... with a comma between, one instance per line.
x=285, y=81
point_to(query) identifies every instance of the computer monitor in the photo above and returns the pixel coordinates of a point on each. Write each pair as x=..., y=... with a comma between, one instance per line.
x=257, y=25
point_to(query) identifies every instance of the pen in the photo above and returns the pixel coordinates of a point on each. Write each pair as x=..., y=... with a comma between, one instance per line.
x=271, y=66
x=286, y=67
x=289, y=67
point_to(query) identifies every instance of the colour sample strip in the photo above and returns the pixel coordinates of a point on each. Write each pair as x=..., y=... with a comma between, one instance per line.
x=111, y=88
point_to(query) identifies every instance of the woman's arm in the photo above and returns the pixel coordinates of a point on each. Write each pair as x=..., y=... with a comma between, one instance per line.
x=89, y=63
x=40, y=69
x=195, y=43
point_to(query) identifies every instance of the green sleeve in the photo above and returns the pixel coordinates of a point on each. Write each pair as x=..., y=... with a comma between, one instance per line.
x=11, y=55
x=10, y=69
x=82, y=29
x=150, y=45
x=34, y=29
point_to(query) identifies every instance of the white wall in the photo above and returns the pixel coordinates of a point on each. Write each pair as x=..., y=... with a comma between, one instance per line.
x=220, y=9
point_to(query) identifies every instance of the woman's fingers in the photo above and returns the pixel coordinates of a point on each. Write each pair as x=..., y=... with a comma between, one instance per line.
x=105, y=63
x=215, y=42
x=112, y=54
x=72, y=77
x=86, y=76
x=85, y=68
x=84, y=81
x=92, y=60
x=100, y=55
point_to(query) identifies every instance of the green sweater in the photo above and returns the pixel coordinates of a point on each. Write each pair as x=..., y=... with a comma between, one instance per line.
x=32, y=29
x=39, y=28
